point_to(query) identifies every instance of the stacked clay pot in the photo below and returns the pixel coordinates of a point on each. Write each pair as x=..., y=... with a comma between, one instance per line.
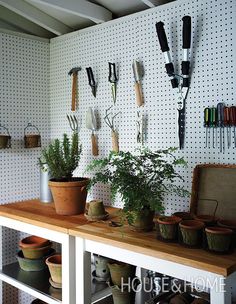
x=33, y=253
x=186, y=298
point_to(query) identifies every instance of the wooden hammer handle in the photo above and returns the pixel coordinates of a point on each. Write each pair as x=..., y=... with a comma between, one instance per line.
x=74, y=84
x=139, y=95
x=94, y=145
x=115, y=141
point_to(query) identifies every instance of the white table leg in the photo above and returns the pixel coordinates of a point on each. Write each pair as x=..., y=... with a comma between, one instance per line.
x=83, y=273
x=221, y=292
x=68, y=269
x=1, y=264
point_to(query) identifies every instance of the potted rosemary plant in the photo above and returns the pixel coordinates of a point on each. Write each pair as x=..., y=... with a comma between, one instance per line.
x=142, y=179
x=69, y=193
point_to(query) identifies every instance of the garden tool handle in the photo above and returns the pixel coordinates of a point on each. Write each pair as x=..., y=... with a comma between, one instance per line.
x=186, y=32
x=74, y=83
x=161, y=34
x=115, y=141
x=94, y=145
x=138, y=93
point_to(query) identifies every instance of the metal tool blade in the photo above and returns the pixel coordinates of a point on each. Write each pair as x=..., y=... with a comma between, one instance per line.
x=138, y=74
x=91, y=122
x=181, y=127
x=113, y=90
x=94, y=90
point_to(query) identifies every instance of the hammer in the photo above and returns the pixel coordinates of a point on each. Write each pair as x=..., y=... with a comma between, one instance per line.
x=74, y=72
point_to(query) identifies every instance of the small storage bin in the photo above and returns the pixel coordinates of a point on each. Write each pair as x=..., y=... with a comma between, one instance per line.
x=5, y=138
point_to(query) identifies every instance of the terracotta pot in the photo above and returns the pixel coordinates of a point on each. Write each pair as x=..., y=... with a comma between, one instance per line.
x=54, y=265
x=32, y=141
x=143, y=221
x=168, y=227
x=33, y=241
x=36, y=253
x=219, y=239
x=231, y=225
x=32, y=265
x=96, y=208
x=208, y=220
x=69, y=197
x=191, y=231
x=101, y=266
x=184, y=215
x=37, y=301
x=121, y=272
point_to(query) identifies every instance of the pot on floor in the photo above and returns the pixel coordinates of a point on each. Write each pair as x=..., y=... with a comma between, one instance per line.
x=121, y=272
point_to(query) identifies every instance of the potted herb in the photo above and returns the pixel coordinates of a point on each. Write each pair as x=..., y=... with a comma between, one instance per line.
x=69, y=193
x=142, y=179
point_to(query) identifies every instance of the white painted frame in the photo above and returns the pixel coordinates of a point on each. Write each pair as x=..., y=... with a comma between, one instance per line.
x=85, y=247
x=68, y=260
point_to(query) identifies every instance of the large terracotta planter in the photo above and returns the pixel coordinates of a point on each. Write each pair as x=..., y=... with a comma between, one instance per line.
x=219, y=239
x=121, y=272
x=69, y=197
x=191, y=231
x=143, y=221
x=54, y=265
x=168, y=227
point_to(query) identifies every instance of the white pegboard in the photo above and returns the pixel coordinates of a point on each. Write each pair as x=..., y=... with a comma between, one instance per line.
x=134, y=37
x=24, y=97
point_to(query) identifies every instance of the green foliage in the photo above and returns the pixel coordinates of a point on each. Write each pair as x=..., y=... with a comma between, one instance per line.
x=62, y=157
x=142, y=178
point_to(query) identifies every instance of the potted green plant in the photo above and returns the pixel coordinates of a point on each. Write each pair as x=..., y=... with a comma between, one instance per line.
x=69, y=193
x=142, y=179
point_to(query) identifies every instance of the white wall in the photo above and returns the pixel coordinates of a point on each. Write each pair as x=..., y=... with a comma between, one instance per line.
x=24, y=97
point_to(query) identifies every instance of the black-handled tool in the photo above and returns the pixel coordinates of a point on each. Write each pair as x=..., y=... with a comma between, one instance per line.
x=91, y=80
x=213, y=123
x=220, y=123
x=180, y=87
x=227, y=125
x=113, y=79
x=185, y=66
x=206, y=123
x=232, y=115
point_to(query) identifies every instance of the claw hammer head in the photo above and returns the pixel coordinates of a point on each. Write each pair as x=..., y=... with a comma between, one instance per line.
x=74, y=70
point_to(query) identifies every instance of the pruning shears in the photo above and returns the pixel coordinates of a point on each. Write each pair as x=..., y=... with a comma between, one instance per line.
x=113, y=80
x=91, y=80
x=180, y=83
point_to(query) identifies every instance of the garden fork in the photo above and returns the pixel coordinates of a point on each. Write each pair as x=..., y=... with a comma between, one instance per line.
x=73, y=122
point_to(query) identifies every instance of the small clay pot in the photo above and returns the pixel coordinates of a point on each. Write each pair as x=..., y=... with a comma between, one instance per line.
x=219, y=239
x=208, y=220
x=184, y=215
x=32, y=141
x=4, y=141
x=101, y=267
x=33, y=242
x=168, y=227
x=231, y=225
x=191, y=231
x=143, y=221
x=121, y=272
x=37, y=301
x=32, y=265
x=96, y=208
x=36, y=253
x=54, y=265
x=200, y=301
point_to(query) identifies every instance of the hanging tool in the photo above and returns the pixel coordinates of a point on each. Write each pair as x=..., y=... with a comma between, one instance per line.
x=74, y=73
x=220, y=124
x=180, y=87
x=73, y=122
x=227, y=125
x=213, y=124
x=113, y=80
x=91, y=124
x=91, y=80
x=110, y=122
x=138, y=74
x=232, y=115
x=140, y=129
x=206, y=123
